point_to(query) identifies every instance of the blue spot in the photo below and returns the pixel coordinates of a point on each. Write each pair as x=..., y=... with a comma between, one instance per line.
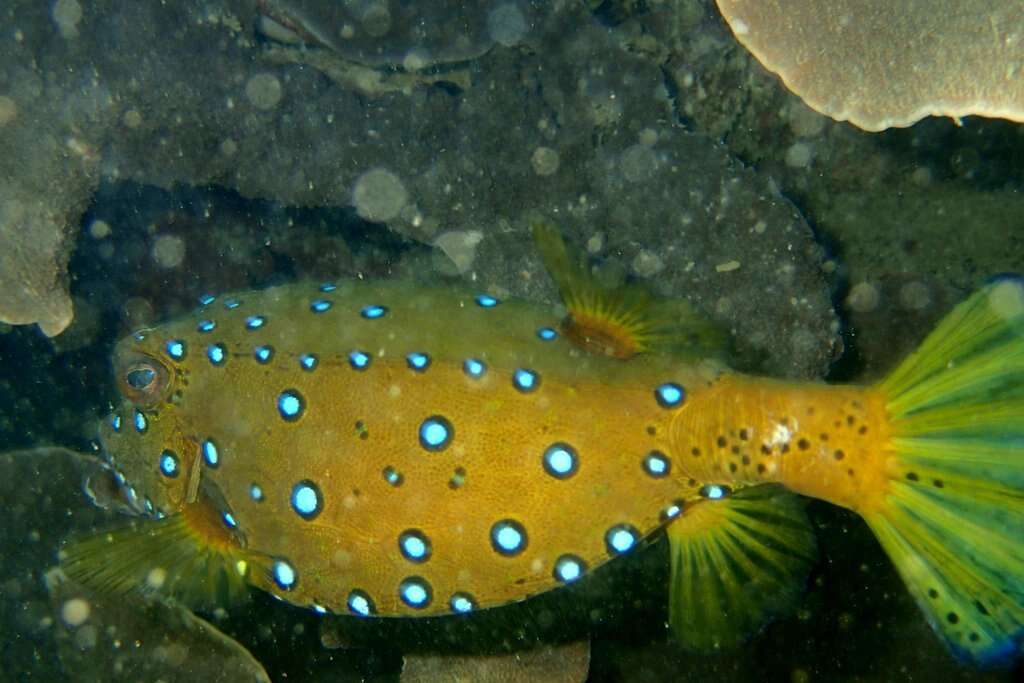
x=474, y=368
x=560, y=460
x=508, y=537
x=319, y=609
x=669, y=395
x=308, y=361
x=414, y=545
x=176, y=349
x=140, y=336
x=217, y=354
x=149, y=506
x=320, y=305
x=418, y=361
x=672, y=511
x=486, y=301
x=415, y=592
x=284, y=575
x=229, y=521
x=210, y=453
x=255, y=322
x=328, y=287
x=462, y=603
x=621, y=538
x=359, y=360
x=436, y=433
x=206, y=326
x=207, y=299
x=115, y=423
x=547, y=334
x=392, y=477
x=141, y=424
x=232, y=303
x=656, y=464
x=714, y=491
x=360, y=604
x=525, y=380
x=290, y=404
x=568, y=568
x=256, y=493
x=263, y=354
x=306, y=499
x=169, y=464
x=373, y=312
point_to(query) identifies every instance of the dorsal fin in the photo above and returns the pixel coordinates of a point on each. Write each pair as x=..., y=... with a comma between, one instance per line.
x=622, y=321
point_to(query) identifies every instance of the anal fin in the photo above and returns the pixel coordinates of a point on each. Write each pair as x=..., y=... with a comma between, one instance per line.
x=737, y=563
x=191, y=556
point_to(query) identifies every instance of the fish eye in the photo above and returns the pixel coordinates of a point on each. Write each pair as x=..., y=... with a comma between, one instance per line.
x=140, y=378
x=143, y=380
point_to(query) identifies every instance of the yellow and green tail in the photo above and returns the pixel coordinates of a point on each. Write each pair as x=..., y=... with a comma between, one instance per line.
x=953, y=516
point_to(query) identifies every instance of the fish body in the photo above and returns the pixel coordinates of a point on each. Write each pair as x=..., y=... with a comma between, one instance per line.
x=388, y=449
x=530, y=430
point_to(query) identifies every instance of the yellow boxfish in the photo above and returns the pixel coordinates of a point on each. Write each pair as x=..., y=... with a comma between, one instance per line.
x=386, y=449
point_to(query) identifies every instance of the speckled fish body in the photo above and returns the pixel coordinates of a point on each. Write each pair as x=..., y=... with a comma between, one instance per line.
x=386, y=449
x=426, y=450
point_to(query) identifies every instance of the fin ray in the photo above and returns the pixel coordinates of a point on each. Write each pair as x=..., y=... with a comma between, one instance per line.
x=189, y=556
x=626, y=320
x=952, y=519
x=737, y=563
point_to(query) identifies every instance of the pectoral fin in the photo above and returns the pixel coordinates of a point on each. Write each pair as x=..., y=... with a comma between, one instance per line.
x=737, y=563
x=192, y=556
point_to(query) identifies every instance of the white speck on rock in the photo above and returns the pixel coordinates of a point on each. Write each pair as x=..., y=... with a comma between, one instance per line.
x=379, y=195
x=67, y=14
x=863, y=297
x=264, y=91
x=799, y=155
x=8, y=110
x=506, y=24
x=75, y=612
x=168, y=251
x=460, y=246
x=545, y=161
x=647, y=263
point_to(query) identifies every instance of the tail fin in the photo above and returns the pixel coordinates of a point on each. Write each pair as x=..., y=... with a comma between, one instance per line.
x=953, y=517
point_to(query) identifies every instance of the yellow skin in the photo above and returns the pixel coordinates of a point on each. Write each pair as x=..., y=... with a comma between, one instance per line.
x=360, y=428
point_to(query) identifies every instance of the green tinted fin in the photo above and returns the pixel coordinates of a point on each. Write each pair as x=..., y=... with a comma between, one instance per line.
x=952, y=519
x=191, y=556
x=626, y=320
x=737, y=563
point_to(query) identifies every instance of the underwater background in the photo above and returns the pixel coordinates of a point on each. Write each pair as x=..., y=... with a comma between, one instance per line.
x=151, y=153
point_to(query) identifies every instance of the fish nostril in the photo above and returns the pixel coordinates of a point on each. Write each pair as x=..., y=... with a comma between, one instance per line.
x=140, y=378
